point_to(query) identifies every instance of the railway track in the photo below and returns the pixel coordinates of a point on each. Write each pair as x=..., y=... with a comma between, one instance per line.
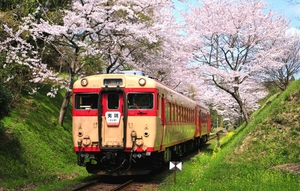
x=106, y=183
x=122, y=185
x=86, y=185
x=213, y=136
x=99, y=185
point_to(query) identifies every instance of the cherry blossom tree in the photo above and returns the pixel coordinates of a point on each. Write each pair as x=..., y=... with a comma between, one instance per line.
x=226, y=105
x=119, y=34
x=19, y=51
x=232, y=42
x=291, y=61
x=166, y=61
x=116, y=34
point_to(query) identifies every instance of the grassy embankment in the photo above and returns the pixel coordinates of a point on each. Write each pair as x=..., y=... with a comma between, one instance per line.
x=34, y=149
x=265, y=155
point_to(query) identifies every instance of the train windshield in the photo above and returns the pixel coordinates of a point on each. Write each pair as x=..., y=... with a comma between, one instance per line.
x=113, y=101
x=140, y=100
x=86, y=101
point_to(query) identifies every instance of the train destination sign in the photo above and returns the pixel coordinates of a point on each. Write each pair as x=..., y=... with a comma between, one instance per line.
x=112, y=82
x=112, y=118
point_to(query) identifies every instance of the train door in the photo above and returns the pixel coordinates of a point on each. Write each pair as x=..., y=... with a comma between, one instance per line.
x=200, y=123
x=197, y=122
x=208, y=123
x=112, y=128
x=162, y=105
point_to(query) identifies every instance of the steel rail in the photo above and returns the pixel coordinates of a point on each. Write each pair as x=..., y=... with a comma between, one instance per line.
x=122, y=185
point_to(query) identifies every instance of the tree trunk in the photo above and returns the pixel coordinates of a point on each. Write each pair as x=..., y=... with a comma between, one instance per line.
x=64, y=108
x=236, y=95
x=66, y=102
x=245, y=113
x=242, y=107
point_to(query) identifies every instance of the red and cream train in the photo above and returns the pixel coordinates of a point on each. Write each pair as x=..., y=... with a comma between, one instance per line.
x=130, y=124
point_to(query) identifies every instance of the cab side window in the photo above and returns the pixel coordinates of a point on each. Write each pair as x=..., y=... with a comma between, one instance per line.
x=140, y=101
x=86, y=101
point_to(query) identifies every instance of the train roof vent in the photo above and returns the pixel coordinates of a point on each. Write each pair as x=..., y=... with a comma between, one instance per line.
x=134, y=72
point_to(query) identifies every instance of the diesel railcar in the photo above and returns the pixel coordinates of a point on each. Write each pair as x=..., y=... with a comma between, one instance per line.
x=129, y=123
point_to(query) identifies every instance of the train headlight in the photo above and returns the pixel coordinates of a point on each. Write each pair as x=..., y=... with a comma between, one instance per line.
x=84, y=82
x=142, y=81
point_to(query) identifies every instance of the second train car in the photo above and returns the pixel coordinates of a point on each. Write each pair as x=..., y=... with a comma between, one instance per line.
x=126, y=124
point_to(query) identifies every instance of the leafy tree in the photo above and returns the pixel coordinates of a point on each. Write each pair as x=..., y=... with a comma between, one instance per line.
x=5, y=101
x=19, y=61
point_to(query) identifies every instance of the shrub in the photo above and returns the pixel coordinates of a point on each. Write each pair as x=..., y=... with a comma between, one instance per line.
x=5, y=101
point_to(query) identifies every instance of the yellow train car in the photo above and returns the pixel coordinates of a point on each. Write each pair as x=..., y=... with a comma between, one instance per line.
x=128, y=123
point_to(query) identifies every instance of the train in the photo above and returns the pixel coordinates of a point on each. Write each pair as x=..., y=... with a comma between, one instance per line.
x=130, y=123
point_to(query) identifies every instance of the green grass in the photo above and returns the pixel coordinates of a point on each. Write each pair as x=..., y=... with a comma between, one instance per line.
x=34, y=149
x=37, y=154
x=249, y=157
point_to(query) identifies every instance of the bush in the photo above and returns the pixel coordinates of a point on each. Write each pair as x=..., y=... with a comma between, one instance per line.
x=5, y=101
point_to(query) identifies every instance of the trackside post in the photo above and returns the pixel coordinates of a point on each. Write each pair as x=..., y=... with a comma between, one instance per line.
x=174, y=165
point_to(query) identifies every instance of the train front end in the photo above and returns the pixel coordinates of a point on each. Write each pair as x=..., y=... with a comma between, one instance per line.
x=114, y=123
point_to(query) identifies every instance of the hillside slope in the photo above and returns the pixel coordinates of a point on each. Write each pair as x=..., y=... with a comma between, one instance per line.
x=273, y=136
x=250, y=159
x=262, y=156
x=34, y=149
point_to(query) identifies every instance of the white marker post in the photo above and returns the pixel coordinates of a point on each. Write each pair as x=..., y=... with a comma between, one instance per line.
x=174, y=166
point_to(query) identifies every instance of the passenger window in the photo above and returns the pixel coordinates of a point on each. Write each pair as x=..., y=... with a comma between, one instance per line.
x=86, y=101
x=168, y=111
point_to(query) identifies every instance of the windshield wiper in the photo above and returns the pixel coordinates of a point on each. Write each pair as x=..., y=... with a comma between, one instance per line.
x=138, y=109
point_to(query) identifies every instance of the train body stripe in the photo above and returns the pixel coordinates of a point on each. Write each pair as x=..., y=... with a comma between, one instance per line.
x=139, y=113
